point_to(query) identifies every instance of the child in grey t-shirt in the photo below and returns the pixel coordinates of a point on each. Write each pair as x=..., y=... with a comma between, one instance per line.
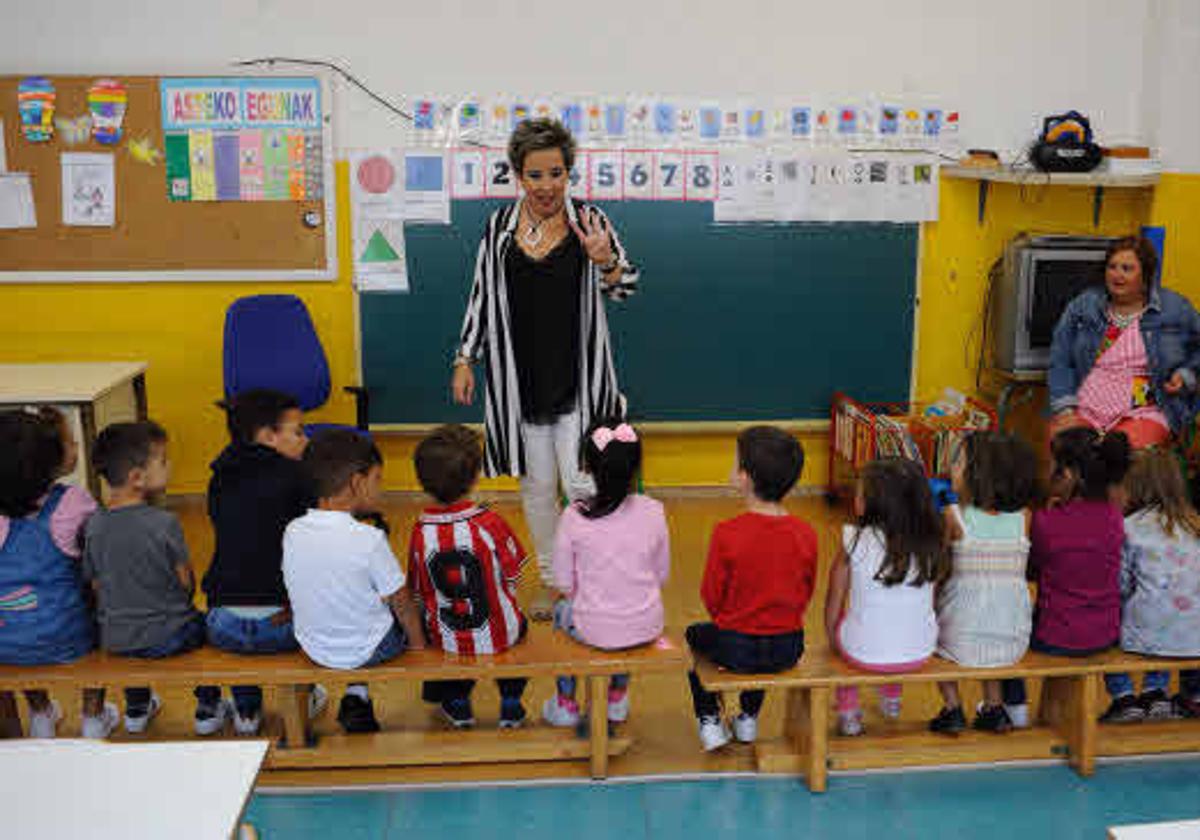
x=137, y=561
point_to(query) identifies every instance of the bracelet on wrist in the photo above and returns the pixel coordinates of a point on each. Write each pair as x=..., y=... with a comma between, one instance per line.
x=461, y=361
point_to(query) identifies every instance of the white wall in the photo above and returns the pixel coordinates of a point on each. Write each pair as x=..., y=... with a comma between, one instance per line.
x=1172, y=103
x=1001, y=63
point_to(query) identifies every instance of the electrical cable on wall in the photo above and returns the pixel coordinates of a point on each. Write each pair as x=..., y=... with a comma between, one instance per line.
x=345, y=74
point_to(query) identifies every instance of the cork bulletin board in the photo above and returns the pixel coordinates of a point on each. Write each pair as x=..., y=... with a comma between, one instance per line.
x=155, y=238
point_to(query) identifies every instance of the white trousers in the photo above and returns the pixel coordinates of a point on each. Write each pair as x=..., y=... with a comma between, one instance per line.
x=551, y=457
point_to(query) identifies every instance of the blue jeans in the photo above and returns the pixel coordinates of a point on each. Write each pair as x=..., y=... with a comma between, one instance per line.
x=231, y=632
x=563, y=621
x=391, y=646
x=1013, y=690
x=1119, y=685
x=189, y=637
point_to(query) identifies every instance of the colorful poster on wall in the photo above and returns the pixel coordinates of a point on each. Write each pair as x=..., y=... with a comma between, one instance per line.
x=243, y=139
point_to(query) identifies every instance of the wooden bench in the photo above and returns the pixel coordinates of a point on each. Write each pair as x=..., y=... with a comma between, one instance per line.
x=542, y=654
x=1067, y=726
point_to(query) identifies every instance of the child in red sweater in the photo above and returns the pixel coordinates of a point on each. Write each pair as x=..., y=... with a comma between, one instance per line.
x=757, y=582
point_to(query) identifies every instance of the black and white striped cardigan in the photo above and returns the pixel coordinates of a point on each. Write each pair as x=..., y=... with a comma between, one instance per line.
x=487, y=334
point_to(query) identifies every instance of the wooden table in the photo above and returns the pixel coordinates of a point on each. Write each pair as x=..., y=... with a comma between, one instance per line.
x=92, y=395
x=100, y=790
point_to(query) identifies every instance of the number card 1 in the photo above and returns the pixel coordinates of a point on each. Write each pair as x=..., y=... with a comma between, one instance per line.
x=499, y=180
x=605, y=176
x=469, y=174
x=670, y=176
x=701, y=176
x=639, y=175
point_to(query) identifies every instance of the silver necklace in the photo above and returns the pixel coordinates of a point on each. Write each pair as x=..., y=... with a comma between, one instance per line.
x=1123, y=321
x=533, y=229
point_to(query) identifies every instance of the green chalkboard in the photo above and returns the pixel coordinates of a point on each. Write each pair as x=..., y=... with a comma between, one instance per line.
x=734, y=322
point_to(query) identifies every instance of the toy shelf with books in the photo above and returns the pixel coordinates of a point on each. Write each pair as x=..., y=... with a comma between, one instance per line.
x=928, y=433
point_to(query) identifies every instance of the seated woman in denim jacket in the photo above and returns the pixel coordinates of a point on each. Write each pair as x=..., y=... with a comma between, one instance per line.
x=1126, y=357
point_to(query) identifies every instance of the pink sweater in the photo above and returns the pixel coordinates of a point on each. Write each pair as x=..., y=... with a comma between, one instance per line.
x=612, y=569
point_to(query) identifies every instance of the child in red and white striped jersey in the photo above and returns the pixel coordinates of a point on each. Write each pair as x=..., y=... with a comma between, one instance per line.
x=464, y=563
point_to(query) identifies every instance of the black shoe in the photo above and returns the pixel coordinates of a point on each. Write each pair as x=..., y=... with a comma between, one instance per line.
x=1156, y=705
x=1124, y=709
x=1186, y=707
x=512, y=713
x=993, y=719
x=357, y=715
x=949, y=721
x=457, y=712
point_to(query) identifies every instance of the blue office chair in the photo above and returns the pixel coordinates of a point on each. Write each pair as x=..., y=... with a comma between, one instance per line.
x=270, y=342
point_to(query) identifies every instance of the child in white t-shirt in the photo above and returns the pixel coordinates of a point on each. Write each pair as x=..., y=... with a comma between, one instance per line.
x=349, y=603
x=879, y=607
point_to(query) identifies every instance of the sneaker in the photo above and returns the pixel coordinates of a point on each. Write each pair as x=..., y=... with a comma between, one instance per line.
x=318, y=701
x=889, y=707
x=745, y=728
x=949, y=721
x=1186, y=707
x=618, y=705
x=1156, y=705
x=246, y=724
x=714, y=734
x=137, y=719
x=210, y=720
x=850, y=723
x=457, y=713
x=561, y=711
x=1018, y=715
x=101, y=726
x=992, y=719
x=1124, y=709
x=44, y=724
x=512, y=714
x=357, y=715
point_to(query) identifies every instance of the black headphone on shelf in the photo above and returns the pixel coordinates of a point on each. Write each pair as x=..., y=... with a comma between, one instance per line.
x=1065, y=145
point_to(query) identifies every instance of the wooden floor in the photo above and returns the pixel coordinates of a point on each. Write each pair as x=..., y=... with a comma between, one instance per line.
x=661, y=723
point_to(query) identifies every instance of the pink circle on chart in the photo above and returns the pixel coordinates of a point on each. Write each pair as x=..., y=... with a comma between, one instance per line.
x=376, y=174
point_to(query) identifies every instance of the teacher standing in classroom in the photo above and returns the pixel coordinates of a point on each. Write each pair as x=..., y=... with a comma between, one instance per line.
x=536, y=317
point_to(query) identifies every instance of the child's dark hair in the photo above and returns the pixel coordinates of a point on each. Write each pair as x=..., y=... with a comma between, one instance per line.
x=772, y=458
x=898, y=502
x=259, y=408
x=612, y=453
x=1000, y=471
x=335, y=456
x=448, y=462
x=124, y=447
x=1096, y=461
x=31, y=452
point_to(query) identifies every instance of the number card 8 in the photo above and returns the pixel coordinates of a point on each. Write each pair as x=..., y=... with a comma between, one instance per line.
x=701, y=176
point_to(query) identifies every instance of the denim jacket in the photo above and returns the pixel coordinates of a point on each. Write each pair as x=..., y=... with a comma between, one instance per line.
x=1170, y=330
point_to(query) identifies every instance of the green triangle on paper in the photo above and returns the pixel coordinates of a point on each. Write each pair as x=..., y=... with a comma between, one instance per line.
x=379, y=249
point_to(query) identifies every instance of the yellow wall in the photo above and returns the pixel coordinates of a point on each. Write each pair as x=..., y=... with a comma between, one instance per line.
x=177, y=327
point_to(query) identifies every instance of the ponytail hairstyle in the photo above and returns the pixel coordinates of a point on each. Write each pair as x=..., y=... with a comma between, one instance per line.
x=1091, y=462
x=897, y=501
x=612, y=453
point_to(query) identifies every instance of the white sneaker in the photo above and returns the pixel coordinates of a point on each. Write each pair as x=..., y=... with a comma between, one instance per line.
x=560, y=711
x=210, y=721
x=745, y=728
x=850, y=723
x=1019, y=715
x=44, y=724
x=618, y=710
x=102, y=726
x=318, y=701
x=246, y=725
x=714, y=734
x=137, y=725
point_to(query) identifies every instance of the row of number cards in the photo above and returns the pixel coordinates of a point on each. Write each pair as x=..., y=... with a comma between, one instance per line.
x=598, y=174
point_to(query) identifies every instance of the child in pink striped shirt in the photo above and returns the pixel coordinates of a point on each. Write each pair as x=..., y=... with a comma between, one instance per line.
x=611, y=558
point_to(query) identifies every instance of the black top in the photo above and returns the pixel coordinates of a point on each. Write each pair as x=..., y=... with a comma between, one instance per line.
x=543, y=303
x=253, y=494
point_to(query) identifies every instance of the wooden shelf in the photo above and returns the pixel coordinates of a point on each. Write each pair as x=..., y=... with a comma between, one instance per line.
x=1098, y=181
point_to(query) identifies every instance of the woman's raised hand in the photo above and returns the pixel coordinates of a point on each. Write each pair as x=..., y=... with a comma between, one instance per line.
x=593, y=235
